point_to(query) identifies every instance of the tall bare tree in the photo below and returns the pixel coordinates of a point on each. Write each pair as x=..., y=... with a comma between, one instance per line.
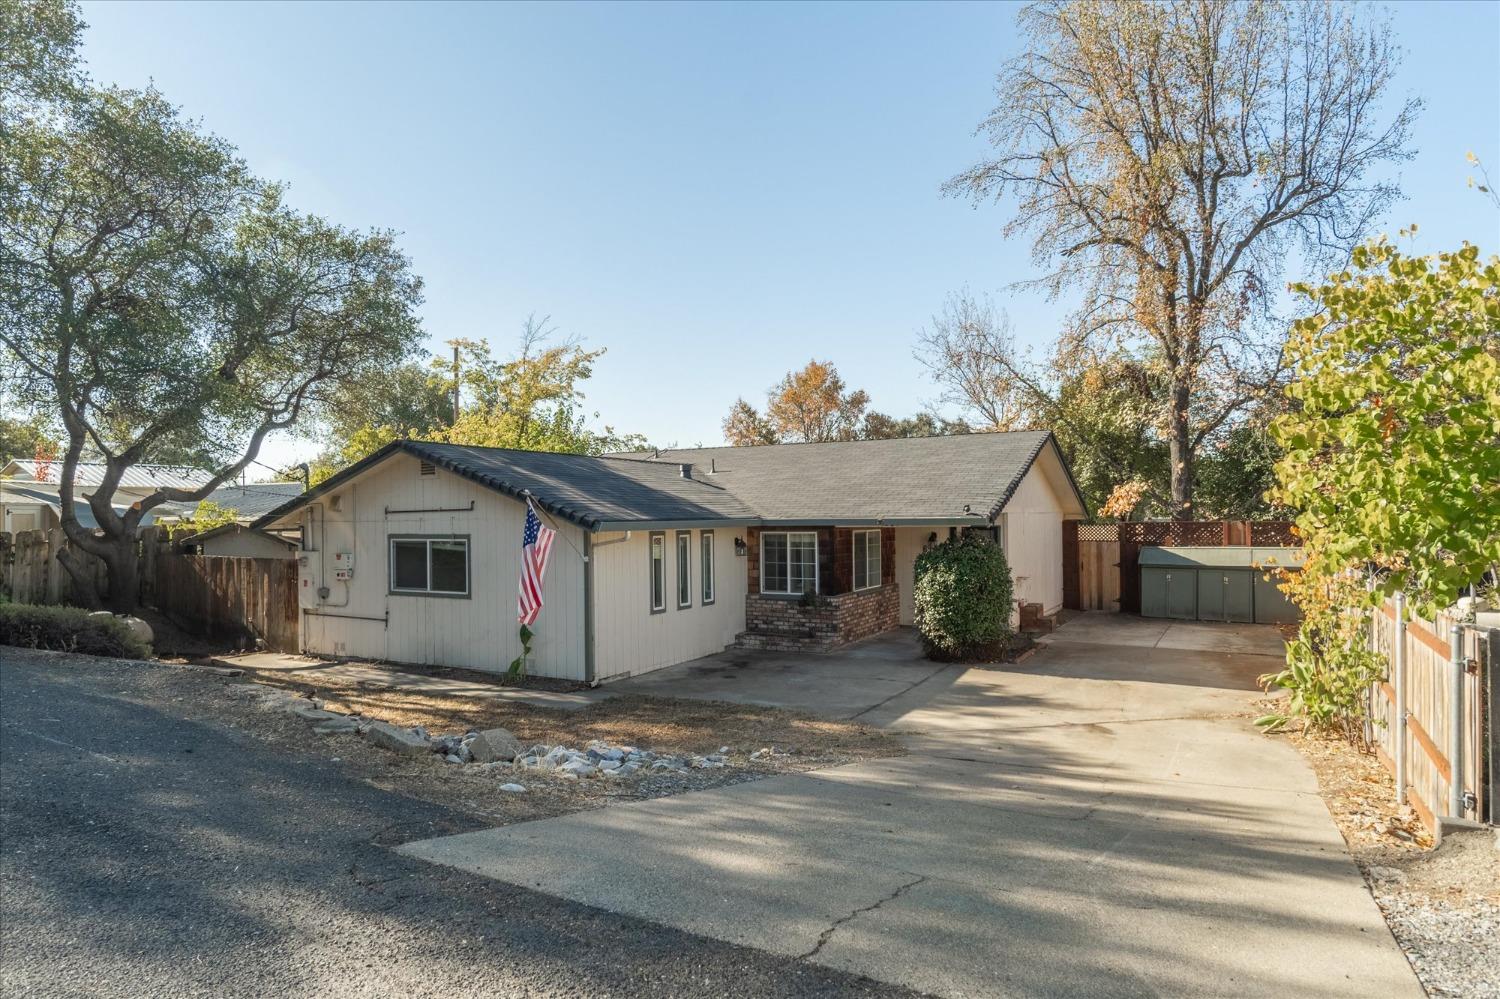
x=1167, y=158
x=971, y=352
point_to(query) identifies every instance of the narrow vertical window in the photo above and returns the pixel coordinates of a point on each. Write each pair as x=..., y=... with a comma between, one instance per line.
x=866, y=559
x=706, y=568
x=684, y=569
x=658, y=572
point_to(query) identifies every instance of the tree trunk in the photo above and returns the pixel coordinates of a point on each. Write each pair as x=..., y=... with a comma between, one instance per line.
x=1181, y=452
x=85, y=593
x=124, y=564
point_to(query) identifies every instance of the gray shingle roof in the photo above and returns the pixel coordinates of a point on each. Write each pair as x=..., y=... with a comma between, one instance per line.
x=910, y=479
x=960, y=479
x=586, y=490
x=254, y=499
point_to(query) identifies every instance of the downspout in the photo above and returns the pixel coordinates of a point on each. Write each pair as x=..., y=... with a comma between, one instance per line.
x=588, y=609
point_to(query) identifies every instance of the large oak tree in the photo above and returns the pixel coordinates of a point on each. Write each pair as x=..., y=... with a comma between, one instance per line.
x=1168, y=158
x=160, y=298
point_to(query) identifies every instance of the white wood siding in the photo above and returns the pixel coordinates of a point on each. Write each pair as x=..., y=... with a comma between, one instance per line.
x=909, y=544
x=478, y=632
x=1033, y=539
x=628, y=638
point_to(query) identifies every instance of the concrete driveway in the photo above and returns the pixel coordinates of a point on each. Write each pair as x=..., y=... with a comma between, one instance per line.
x=1101, y=821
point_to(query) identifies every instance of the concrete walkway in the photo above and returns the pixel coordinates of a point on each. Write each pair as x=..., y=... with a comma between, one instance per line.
x=1102, y=821
x=846, y=684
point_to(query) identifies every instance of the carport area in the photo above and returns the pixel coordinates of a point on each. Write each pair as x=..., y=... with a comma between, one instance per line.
x=1101, y=820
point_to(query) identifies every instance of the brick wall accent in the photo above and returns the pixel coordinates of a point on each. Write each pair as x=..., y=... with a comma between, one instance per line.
x=784, y=624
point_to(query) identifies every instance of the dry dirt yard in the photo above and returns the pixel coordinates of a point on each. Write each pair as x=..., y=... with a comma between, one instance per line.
x=801, y=742
x=1443, y=904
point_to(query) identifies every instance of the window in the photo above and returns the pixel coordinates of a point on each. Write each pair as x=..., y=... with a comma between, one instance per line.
x=434, y=566
x=684, y=569
x=789, y=562
x=706, y=566
x=658, y=572
x=866, y=559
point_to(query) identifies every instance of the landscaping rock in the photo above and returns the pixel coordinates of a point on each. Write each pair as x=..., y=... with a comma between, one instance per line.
x=337, y=726
x=495, y=745
x=513, y=788
x=397, y=740
x=307, y=712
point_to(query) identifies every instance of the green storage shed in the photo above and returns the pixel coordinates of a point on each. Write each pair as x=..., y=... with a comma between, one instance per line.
x=1215, y=584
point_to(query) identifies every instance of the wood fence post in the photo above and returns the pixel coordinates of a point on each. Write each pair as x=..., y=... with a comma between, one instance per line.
x=1398, y=727
x=1456, y=720
x=1490, y=721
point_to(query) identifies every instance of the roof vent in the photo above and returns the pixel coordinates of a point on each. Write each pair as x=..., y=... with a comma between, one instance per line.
x=686, y=470
x=428, y=468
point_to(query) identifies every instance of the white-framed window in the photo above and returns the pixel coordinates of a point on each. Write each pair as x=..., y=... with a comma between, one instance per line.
x=789, y=562
x=866, y=560
x=658, y=571
x=706, y=564
x=684, y=569
x=430, y=566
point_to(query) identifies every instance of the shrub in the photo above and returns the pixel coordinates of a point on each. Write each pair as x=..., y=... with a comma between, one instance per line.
x=963, y=598
x=68, y=629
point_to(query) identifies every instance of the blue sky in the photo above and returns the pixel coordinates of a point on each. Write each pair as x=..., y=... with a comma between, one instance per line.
x=716, y=194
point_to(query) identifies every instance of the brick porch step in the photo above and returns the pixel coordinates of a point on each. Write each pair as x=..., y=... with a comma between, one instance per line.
x=782, y=641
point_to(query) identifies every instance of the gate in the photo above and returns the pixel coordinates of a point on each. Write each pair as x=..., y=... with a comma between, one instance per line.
x=1101, y=562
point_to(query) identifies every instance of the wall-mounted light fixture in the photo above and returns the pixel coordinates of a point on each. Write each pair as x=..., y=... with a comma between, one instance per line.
x=740, y=548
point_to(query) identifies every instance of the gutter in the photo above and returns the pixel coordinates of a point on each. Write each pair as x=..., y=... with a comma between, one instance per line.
x=589, y=669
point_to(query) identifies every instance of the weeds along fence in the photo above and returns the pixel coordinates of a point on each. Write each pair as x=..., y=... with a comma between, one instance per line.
x=1432, y=717
x=30, y=572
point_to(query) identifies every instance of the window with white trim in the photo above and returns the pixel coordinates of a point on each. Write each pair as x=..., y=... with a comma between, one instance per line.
x=684, y=569
x=658, y=571
x=706, y=564
x=432, y=566
x=866, y=560
x=789, y=562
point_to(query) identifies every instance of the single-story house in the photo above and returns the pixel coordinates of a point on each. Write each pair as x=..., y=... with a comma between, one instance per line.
x=37, y=506
x=239, y=541
x=29, y=497
x=413, y=554
x=30, y=501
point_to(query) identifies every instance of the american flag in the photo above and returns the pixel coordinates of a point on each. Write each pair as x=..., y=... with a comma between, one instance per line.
x=536, y=545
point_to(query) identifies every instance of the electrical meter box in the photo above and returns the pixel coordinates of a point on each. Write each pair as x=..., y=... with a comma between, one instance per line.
x=307, y=579
x=343, y=566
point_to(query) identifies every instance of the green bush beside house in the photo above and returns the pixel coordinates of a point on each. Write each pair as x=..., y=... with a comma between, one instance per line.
x=963, y=599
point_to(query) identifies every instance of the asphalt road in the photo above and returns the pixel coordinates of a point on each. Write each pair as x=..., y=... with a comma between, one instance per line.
x=148, y=849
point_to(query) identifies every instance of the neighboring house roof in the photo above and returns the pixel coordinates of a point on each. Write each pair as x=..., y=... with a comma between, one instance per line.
x=917, y=479
x=222, y=529
x=92, y=473
x=254, y=499
x=46, y=494
x=960, y=479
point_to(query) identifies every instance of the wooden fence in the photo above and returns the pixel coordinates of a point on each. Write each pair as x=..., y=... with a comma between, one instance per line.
x=245, y=598
x=1101, y=562
x=30, y=572
x=1416, y=731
